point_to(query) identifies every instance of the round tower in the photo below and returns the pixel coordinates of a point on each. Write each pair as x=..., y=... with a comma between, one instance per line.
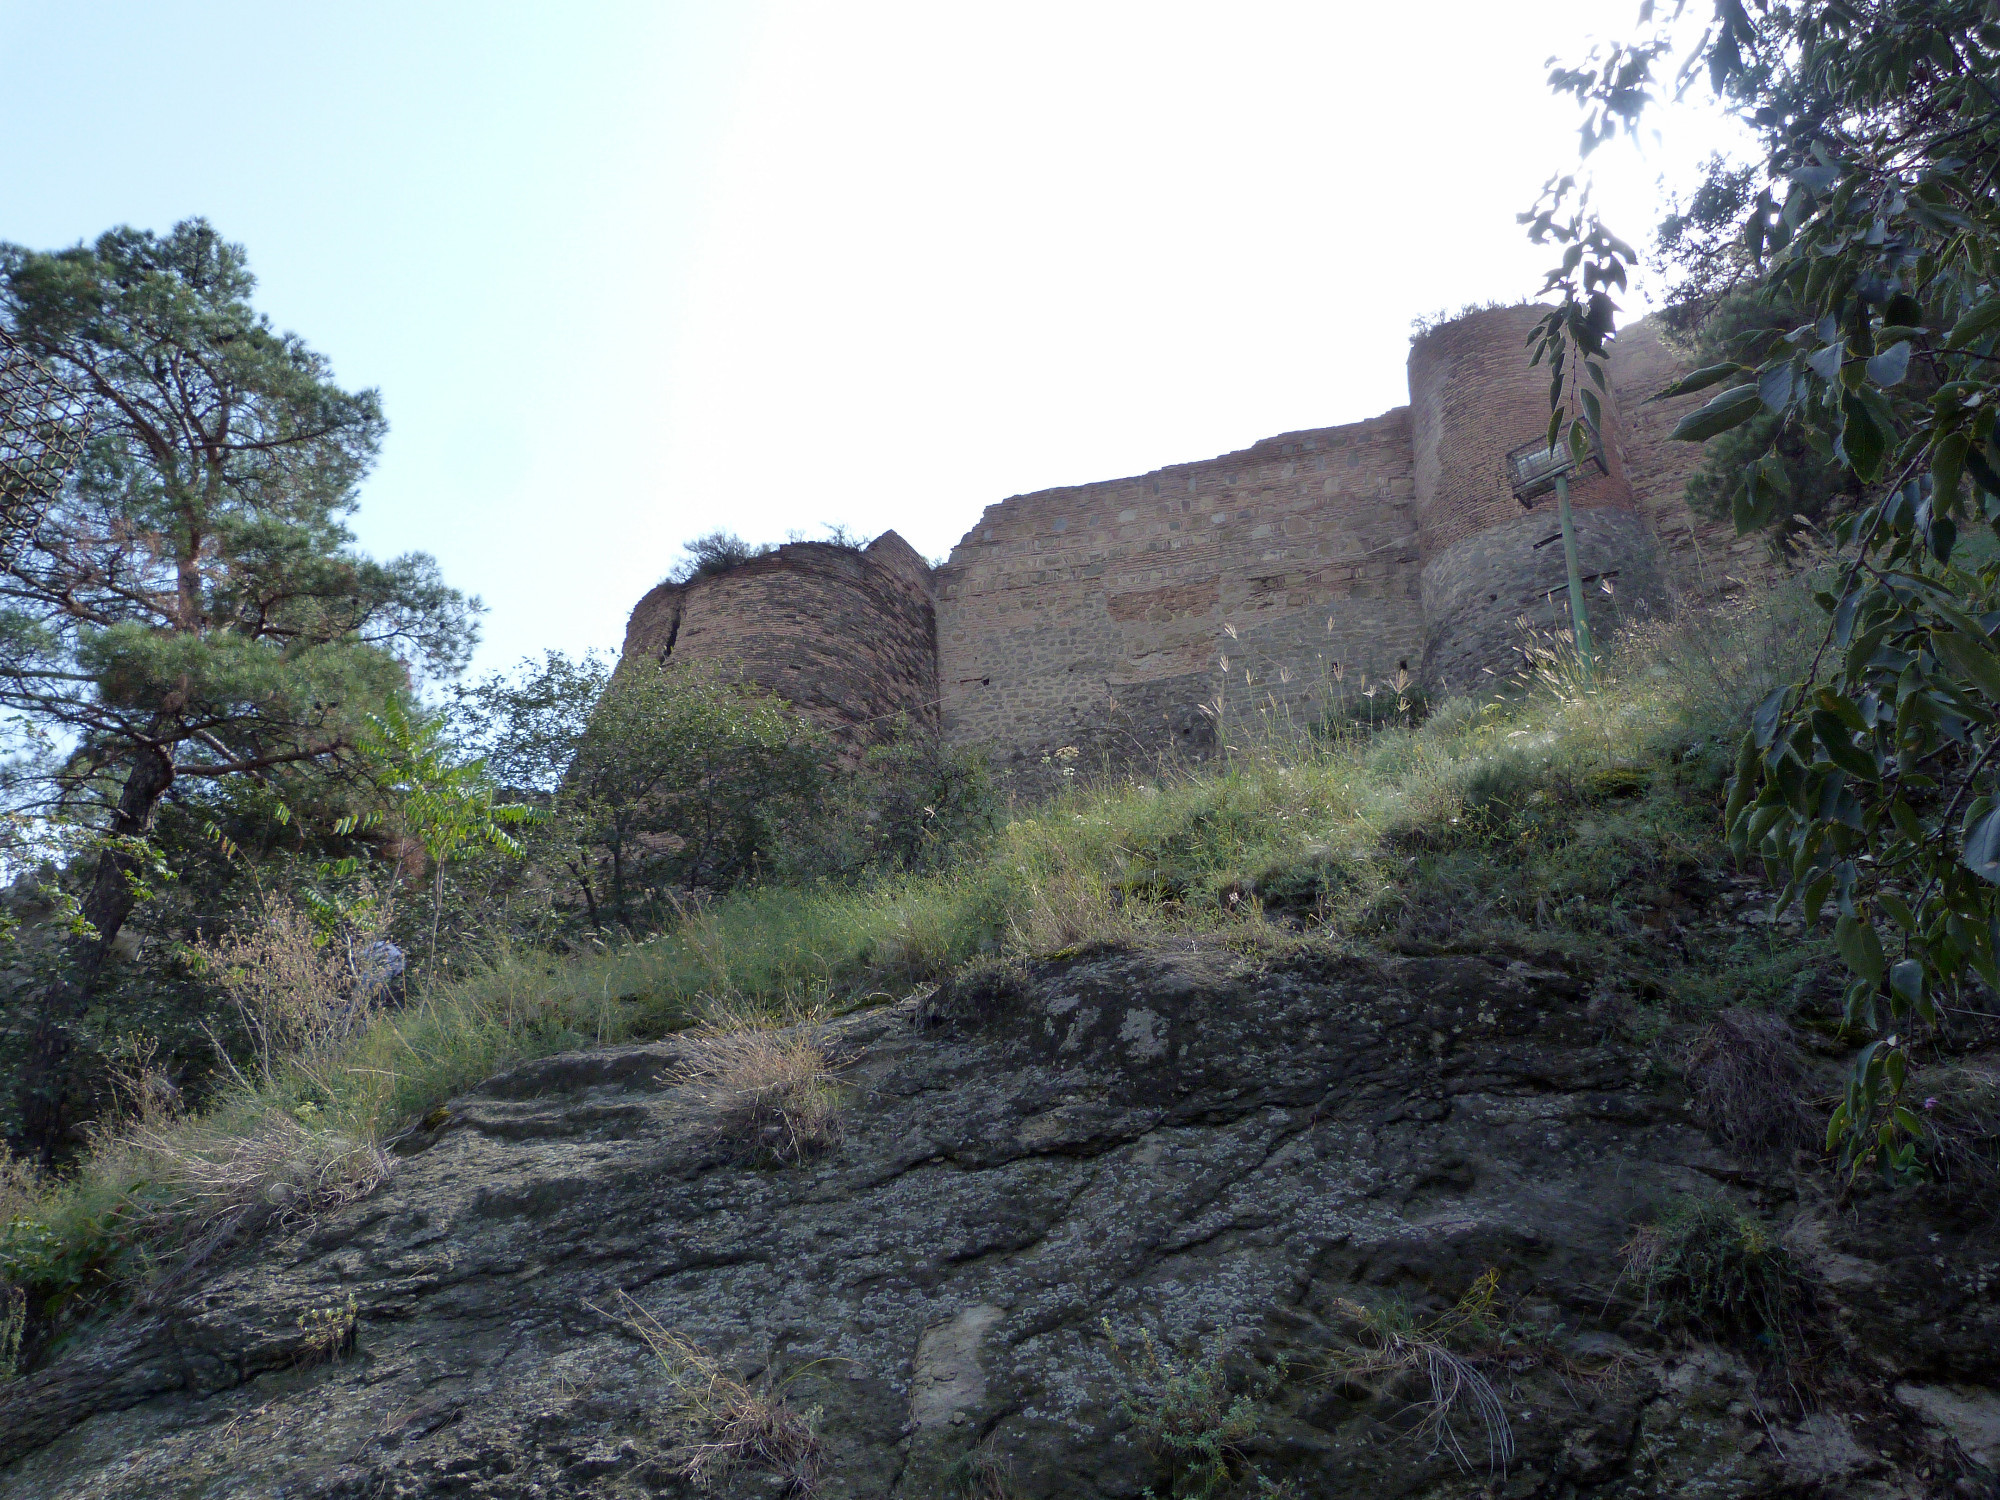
x=843, y=634
x=1488, y=559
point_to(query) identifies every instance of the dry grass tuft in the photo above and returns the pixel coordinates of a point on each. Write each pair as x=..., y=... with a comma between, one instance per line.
x=1961, y=1107
x=1748, y=1079
x=13, y=1327
x=775, y=1091
x=981, y=1474
x=23, y=1189
x=1067, y=905
x=1402, y=1347
x=719, y=1422
x=215, y=1177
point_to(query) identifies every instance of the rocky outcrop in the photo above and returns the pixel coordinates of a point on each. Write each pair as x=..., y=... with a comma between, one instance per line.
x=1229, y=1152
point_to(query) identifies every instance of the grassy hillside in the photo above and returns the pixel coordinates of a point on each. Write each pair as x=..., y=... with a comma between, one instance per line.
x=1573, y=823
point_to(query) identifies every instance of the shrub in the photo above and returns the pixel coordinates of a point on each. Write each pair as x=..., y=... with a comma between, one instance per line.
x=1708, y=1267
x=713, y=554
x=1187, y=1417
x=680, y=782
x=919, y=802
x=300, y=990
x=327, y=1332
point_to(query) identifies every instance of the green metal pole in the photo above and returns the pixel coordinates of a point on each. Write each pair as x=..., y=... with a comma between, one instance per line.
x=1579, y=621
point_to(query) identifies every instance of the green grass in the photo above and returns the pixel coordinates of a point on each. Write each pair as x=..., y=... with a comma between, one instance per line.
x=1557, y=818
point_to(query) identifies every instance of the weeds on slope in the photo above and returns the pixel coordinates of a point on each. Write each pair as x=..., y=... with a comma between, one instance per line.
x=717, y=1423
x=1572, y=819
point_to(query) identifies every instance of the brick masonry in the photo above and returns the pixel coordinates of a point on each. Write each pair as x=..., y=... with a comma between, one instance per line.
x=1116, y=616
x=846, y=635
x=1134, y=615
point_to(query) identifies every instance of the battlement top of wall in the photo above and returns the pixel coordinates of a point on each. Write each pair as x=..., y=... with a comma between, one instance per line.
x=1477, y=323
x=891, y=552
x=1285, y=445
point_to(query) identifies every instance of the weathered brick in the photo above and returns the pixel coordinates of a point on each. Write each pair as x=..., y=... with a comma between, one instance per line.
x=1133, y=614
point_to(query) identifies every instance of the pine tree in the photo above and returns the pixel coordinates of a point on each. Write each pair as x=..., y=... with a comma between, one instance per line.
x=191, y=604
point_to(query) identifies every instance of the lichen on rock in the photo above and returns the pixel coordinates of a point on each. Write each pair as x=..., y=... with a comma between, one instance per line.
x=1228, y=1151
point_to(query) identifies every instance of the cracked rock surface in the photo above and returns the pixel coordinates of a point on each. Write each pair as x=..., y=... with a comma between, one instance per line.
x=1223, y=1151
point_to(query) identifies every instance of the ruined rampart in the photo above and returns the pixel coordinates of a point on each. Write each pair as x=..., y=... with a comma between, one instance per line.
x=1134, y=616
x=1488, y=561
x=1118, y=615
x=845, y=634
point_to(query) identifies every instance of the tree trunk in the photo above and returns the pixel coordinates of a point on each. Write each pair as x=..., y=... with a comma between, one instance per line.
x=43, y=1095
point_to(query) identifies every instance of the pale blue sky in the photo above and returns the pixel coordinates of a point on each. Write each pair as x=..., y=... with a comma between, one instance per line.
x=628, y=272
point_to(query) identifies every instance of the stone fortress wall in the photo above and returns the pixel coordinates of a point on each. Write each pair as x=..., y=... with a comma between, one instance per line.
x=1131, y=616
x=845, y=635
x=1103, y=615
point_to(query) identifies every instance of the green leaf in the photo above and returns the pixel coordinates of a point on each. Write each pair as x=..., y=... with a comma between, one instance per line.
x=1981, y=471
x=1898, y=910
x=1891, y=365
x=1971, y=659
x=1840, y=746
x=1730, y=409
x=1981, y=853
x=1764, y=719
x=1862, y=441
x=1943, y=537
x=1860, y=948
x=1947, y=464
x=1906, y=981
x=1774, y=387
x=1742, y=782
x=1700, y=380
x=1982, y=319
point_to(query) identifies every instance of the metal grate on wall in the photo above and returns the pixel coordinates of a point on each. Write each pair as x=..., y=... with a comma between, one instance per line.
x=1534, y=468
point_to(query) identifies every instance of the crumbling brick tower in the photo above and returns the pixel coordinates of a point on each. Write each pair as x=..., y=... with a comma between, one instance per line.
x=846, y=635
x=1485, y=561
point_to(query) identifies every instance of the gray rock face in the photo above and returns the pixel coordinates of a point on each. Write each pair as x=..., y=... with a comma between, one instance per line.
x=1225, y=1152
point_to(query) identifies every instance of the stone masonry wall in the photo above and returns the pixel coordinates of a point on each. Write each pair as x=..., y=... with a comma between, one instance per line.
x=1478, y=591
x=1102, y=615
x=1489, y=563
x=847, y=637
x=1702, y=557
x=1132, y=616
x=1474, y=398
